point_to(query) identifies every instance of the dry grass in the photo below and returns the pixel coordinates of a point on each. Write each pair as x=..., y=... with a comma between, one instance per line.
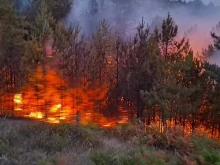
x=26, y=142
x=33, y=143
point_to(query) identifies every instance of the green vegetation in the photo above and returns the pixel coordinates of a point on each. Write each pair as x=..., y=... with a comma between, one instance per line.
x=28, y=142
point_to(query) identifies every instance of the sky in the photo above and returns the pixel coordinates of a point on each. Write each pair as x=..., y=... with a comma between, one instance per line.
x=216, y=2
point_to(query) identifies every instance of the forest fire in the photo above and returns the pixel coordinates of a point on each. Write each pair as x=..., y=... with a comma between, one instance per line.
x=78, y=77
x=43, y=99
x=108, y=80
x=49, y=98
x=78, y=105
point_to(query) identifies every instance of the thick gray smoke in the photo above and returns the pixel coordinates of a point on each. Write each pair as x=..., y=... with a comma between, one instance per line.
x=194, y=24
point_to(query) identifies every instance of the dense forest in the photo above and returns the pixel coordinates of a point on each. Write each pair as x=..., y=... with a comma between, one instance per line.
x=49, y=67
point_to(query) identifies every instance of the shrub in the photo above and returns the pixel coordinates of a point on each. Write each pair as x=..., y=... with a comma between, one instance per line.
x=171, y=139
x=4, y=145
x=47, y=162
x=126, y=132
x=140, y=157
x=104, y=158
x=203, y=143
x=53, y=138
x=212, y=157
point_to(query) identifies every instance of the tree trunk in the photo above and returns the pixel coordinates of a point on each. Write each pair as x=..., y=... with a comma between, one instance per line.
x=164, y=121
x=77, y=118
x=140, y=108
x=149, y=119
x=193, y=122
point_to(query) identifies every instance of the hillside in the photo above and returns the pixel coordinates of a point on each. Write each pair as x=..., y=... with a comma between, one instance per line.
x=31, y=143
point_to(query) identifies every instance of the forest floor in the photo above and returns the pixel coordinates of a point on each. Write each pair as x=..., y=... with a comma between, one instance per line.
x=35, y=143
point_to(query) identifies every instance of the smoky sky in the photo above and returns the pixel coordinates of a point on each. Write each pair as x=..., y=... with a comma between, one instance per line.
x=148, y=10
x=216, y=2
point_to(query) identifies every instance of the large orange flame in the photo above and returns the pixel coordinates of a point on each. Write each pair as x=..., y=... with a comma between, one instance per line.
x=48, y=97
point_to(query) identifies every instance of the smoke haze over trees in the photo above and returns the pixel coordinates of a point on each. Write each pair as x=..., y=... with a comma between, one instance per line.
x=125, y=16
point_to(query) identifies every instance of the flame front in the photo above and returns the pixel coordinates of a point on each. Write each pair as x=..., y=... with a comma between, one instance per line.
x=43, y=99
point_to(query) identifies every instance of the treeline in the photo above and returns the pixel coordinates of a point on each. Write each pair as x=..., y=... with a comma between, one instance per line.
x=154, y=71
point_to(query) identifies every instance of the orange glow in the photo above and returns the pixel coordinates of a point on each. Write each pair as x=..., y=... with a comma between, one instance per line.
x=18, y=109
x=37, y=115
x=107, y=125
x=124, y=114
x=18, y=102
x=18, y=98
x=53, y=120
x=123, y=121
x=42, y=99
x=55, y=108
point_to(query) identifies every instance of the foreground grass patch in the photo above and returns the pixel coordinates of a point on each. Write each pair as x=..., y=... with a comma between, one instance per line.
x=54, y=138
x=142, y=156
x=30, y=143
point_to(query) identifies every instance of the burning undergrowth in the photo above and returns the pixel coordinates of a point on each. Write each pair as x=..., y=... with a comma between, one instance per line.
x=49, y=98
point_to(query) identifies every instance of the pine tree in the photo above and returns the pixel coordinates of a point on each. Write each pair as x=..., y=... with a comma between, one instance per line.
x=11, y=50
x=211, y=112
x=169, y=32
x=140, y=67
x=72, y=50
x=214, y=112
x=59, y=9
x=169, y=86
x=12, y=47
x=44, y=23
x=176, y=91
x=103, y=53
x=216, y=40
x=207, y=53
x=42, y=30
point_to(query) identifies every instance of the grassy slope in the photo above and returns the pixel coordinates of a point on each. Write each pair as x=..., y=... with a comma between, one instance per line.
x=30, y=143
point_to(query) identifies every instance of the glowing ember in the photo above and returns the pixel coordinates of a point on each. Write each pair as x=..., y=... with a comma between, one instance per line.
x=37, y=115
x=55, y=108
x=123, y=121
x=107, y=125
x=53, y=120
x=62, y=118
x=59, y=105
x=18, y=102
x=18, y=109
x=18, y=98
